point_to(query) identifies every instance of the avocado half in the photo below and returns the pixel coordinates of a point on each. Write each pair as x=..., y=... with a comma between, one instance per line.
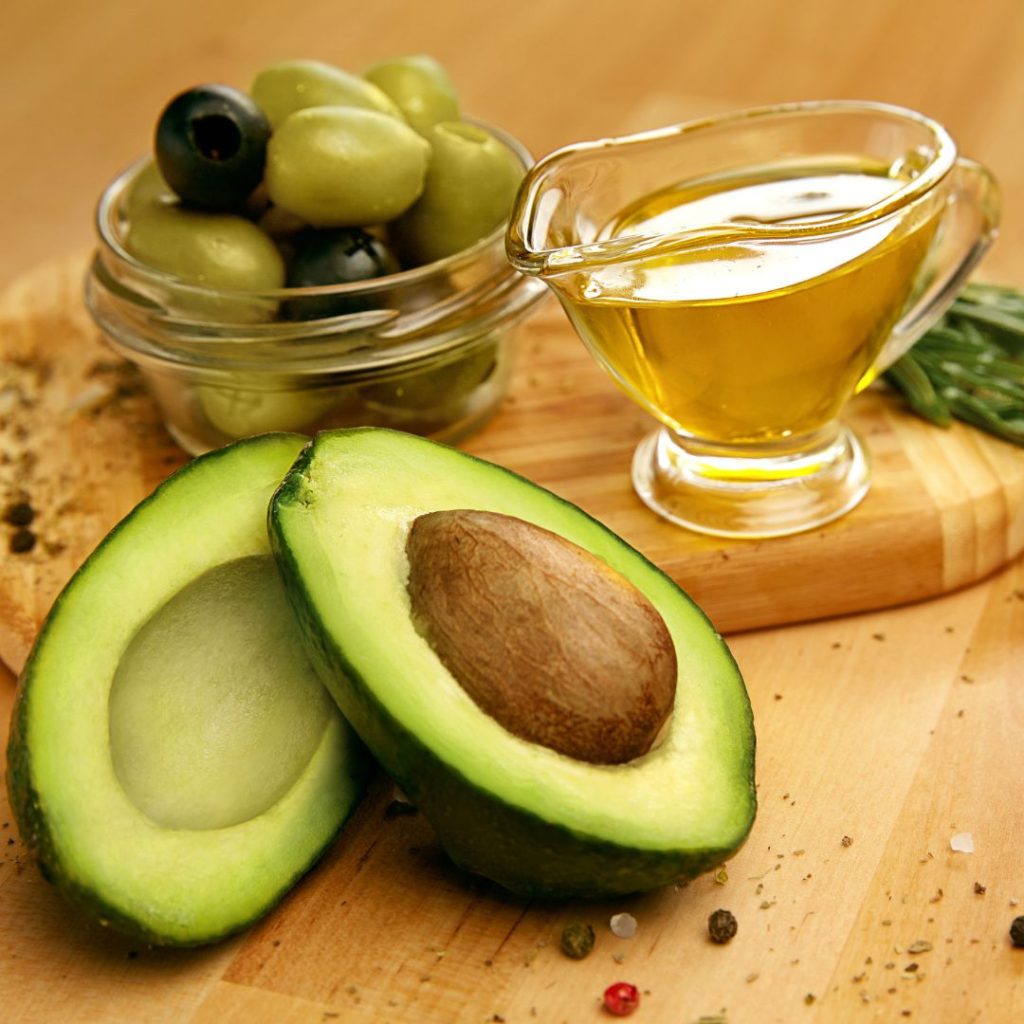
x=537, y=822
x=174, y=762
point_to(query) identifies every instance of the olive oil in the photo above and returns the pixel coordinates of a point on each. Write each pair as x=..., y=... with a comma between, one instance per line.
x=764, y=335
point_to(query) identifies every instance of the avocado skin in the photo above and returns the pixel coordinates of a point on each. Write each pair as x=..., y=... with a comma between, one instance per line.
x=36, y=837
x=25, y=802
x=27, y=805
x=526, y=854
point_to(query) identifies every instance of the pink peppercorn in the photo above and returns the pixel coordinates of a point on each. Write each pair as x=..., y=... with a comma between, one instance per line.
x=621, y=999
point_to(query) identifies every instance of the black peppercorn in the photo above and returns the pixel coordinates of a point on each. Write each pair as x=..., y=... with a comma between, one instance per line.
x=721, y=926
x=20, y=513
x=1017, y=932
x=22, y=540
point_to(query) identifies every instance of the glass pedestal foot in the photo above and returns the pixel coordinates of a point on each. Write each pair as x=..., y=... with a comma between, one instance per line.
x=768, y=493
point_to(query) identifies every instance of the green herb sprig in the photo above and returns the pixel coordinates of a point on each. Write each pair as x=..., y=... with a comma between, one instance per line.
x=971, y=364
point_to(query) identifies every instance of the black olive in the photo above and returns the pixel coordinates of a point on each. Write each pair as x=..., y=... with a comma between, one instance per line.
x=334, y=256
x=211, y=145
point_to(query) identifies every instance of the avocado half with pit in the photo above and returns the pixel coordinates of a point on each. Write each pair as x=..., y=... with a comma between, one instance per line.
x=536, y=821
x=174, y=762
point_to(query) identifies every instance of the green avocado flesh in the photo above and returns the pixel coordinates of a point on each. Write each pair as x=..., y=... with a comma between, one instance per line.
x=174, y=762
x=537, y=822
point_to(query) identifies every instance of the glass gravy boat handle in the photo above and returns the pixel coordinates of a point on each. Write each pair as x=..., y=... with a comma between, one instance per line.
x=968, y=227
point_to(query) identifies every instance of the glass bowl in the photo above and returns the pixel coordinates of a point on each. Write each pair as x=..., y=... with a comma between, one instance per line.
x=427, y=350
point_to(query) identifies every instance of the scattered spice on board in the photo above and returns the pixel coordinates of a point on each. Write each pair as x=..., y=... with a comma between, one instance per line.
x=22, y=541
x=962, y=842
x=1017, y=932
x=980, y=889
x=809, y=999
x=577, y=940
x=19, y=513
x=722, y=926
x=623, y=925
x=621, y=999
x=846, y=841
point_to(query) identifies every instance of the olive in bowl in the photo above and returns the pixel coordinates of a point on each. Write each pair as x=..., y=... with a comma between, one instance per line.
x=211, y=146
x=334, y=256
x=428, y=349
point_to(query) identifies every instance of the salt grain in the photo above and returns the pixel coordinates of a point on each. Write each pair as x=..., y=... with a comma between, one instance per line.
x=962, y=842
x=623, y=925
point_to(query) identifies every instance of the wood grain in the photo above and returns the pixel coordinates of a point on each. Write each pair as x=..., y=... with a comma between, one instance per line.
x=895, y=728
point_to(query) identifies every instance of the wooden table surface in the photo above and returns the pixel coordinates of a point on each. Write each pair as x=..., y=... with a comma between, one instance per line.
x=880, y=736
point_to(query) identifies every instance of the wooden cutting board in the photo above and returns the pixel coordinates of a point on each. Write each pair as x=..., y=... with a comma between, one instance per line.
x=82, y=440
x=849, y=859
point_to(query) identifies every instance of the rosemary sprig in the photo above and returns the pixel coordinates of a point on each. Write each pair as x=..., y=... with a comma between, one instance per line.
x=971, y=364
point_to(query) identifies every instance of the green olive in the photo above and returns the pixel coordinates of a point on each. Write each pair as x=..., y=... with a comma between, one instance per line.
x=472, y=181
x=280, y=224
x=147, y=186
x=289, y=85
x=241, y=411
x=219, y=251
x=437, y=387
x=420, y=88
x=341, y=167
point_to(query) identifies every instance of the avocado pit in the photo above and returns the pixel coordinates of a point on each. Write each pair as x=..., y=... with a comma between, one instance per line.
x=546, y=638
